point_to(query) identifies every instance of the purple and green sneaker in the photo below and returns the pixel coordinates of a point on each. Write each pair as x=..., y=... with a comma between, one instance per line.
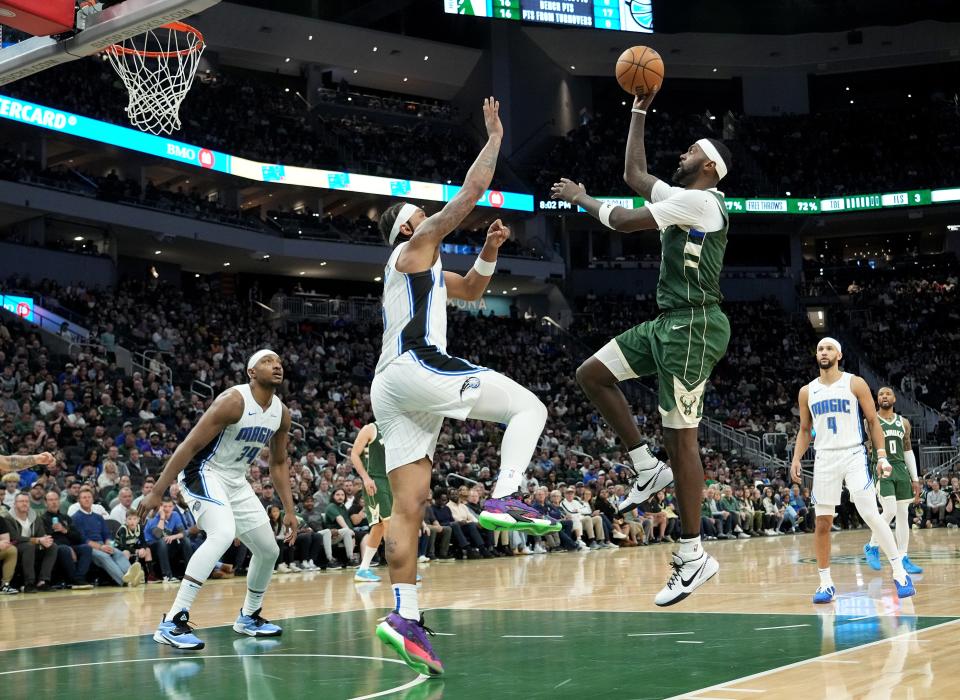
x=409, y=639
x=514, y=514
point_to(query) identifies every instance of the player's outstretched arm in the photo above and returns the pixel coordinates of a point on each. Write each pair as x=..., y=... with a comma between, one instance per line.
x=16, y=463
x=367, y=434
x=613, y=217
x=226, y=409
x=910, y=458
x=471, y=286
x=280, y=476
x=635, y=163
x=424, y=242
x=874, y=429
x=803, y=435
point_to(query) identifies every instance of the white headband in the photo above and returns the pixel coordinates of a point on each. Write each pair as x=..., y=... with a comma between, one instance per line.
x=831, y=341
x=257, y=356
x=714, y=155
x=403, y=216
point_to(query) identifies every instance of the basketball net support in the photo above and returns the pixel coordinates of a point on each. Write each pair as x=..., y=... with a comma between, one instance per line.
x=111, y=26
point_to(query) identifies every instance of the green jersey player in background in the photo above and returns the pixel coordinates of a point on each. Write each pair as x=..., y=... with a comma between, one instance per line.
x=898, y=490
x=682, y=345
x=370, y=462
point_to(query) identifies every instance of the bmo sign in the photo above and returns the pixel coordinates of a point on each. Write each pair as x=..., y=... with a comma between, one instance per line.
x=204, y=156
x=19, y=306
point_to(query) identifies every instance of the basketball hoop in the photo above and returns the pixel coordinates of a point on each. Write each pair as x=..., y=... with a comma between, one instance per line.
x=158, y=69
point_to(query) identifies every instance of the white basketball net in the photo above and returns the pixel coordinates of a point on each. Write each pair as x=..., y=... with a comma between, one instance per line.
x=158, y=69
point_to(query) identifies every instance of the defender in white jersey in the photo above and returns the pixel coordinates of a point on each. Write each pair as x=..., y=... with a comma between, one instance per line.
x=214, y=459
x=834, y=407
x=418, y=384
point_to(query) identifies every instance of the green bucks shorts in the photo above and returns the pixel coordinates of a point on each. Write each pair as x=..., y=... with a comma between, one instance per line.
x=898, y=484
x=379, y=505
x=681, y=347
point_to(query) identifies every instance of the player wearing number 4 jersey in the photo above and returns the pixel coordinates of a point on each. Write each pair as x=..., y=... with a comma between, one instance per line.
x=899, y=488
x=835, y=407
x=682, y=345
x=214, y=459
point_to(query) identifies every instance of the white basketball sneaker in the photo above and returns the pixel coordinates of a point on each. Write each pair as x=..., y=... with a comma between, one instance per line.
x=687, y=576
x=646, y=483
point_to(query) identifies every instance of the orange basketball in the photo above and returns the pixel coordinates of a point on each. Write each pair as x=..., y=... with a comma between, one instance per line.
x=639, y=70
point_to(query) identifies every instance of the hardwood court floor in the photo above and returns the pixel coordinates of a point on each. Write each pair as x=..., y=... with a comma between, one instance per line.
x=547, y=626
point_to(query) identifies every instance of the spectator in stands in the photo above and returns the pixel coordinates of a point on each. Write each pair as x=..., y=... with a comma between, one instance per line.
x=11, y=487
x=93, y=527
x=468, y=523
x=338, y=520
x=131, y=543
x=773, y=511
x=147, y=489
x=936, y=507
x=572, y=509
x=166, y=535
x=286, y=563
x=118, y=513
x=436, y=538
x=8, y=559
x=34, y=545
x=74, y=556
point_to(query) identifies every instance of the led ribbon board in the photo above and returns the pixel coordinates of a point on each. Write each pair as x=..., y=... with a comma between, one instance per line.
x=795, y=205
x=187, y=154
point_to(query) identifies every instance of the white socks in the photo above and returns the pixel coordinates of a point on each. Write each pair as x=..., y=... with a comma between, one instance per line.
x=889, y=510
x=185, y=597
x=253, y=601
x=690, y=548
x=642, y=458
x=903, y=527
x=826, y=581
x=405, y=597
x=368, y=554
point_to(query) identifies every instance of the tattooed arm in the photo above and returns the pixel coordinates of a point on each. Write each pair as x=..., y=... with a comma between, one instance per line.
x=422, y=250
x=16, y=463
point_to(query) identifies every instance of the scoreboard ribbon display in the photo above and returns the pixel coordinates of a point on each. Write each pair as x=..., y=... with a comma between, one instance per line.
x=793, y=205
x=76, y=125
x=619, y=15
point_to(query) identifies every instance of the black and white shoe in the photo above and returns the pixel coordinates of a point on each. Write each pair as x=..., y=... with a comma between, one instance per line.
x=687, y=576
x=646, y=483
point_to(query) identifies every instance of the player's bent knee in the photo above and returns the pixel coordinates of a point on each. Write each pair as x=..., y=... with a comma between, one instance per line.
x=593, y=372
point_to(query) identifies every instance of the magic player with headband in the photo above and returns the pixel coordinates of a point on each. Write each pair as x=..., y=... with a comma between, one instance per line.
x=682, y=345
x=214, y=459
x=834, y=408
x=417, y=385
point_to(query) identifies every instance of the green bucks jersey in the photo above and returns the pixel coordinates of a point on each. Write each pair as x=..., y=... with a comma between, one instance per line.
x=374, y=457
x=894, y=432
x=690, y=264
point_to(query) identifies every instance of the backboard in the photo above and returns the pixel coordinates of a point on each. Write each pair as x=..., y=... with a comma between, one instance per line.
x=92, y=33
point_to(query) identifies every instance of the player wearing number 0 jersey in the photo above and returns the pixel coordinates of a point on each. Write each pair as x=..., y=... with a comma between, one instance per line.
x=417, y=385
x=899, y=488
x=213, y=459
x=834, y=407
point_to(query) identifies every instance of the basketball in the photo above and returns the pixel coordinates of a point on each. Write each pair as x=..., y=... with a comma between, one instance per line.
x=639, y=70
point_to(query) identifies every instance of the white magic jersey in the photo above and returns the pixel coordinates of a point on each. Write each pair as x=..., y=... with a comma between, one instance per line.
x=414, y=313
x=837, y=422
x=230, y=454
